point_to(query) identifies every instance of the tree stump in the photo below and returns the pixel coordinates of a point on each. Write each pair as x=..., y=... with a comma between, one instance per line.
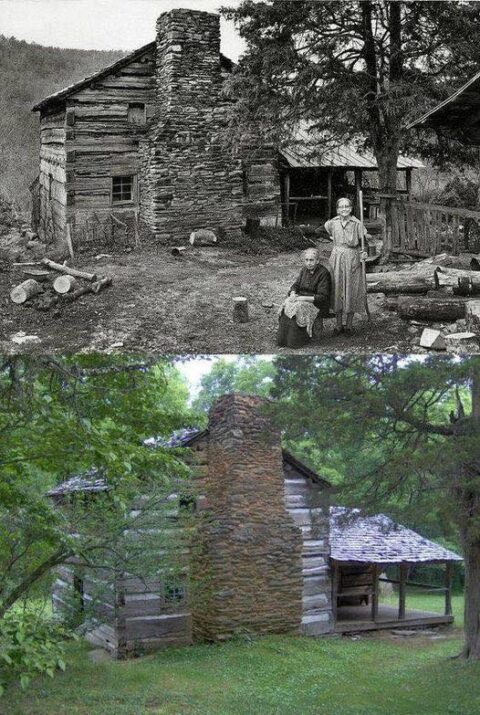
x=25, y=291
x=472, y=316
x=240, y=310
x=64, y=284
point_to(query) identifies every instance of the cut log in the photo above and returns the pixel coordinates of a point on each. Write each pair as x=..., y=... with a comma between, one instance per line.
x=92, y=288
x=65, y=284
x=69, y=271
x=467, y=261
x=472, y=316
x=432, y=309
x=25, y=291
x=432, y=340
x=240, y=310
x=409, y=285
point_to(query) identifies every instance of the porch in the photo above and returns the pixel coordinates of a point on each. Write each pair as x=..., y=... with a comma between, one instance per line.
x=368, y=552
x=359, y=618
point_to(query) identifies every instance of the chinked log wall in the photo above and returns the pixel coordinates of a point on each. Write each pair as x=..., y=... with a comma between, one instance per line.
x=101, y=142
x=52, y=177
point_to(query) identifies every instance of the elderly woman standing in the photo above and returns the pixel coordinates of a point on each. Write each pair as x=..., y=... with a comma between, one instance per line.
x=345, y=260
x=308, y=299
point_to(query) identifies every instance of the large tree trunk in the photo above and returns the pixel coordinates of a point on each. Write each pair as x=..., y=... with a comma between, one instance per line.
x=470, y=532
x=471, y=650
x=387, y=158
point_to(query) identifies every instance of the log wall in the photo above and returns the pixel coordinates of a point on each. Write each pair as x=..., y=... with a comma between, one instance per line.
x=308, y=504
x=102, y=139
x=52, y=178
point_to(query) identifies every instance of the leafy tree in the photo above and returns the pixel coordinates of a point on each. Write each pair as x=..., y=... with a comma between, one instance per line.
x=351, y=71
x=406, y=429
x=246, y=374
x=63, y=416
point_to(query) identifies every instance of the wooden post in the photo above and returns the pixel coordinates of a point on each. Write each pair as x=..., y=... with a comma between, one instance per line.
x=402, y=580
x=335, y=582
x=286, y=191
x=375, y=592
x=448, y=588
x=358, y=188
x=408, y=182
x=329, y=193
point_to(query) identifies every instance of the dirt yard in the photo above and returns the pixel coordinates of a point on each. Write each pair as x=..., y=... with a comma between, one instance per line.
x=162, y=304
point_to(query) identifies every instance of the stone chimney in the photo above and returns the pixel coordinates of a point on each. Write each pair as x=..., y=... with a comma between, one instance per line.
x=189, y=179
x=247, y=563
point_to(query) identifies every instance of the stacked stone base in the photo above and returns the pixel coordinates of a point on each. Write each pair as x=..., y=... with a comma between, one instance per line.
x=249, y=581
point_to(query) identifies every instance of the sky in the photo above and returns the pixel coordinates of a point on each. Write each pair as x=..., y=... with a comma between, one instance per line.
x=102, y=24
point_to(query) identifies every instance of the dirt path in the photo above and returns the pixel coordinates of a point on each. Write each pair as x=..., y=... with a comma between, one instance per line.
x=163, y=304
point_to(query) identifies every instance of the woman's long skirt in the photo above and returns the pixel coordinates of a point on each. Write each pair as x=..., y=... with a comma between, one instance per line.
x=289, y=334
x=349, y=287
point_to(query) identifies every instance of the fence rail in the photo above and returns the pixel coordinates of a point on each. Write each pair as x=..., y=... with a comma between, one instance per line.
x=428, y=229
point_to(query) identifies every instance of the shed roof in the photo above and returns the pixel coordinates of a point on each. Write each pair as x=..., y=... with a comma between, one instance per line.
x=66, y=92
x=303, y=153
x=378, y=539
x=456, y=108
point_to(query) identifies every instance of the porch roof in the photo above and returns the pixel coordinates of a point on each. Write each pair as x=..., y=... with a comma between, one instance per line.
x=378, y=539
x=304, y=153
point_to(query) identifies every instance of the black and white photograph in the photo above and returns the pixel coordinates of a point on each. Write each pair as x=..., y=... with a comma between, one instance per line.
x=165, y=182
x=239, y=357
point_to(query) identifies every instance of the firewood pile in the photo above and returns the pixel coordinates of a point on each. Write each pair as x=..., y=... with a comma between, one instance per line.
x=47, y=284
x=439, y=297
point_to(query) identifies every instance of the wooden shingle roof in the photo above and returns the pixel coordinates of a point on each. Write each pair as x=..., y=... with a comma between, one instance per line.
x=377, y=539
x=305, y=152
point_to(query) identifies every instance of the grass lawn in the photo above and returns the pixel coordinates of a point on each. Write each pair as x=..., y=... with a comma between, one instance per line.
x=370, y=675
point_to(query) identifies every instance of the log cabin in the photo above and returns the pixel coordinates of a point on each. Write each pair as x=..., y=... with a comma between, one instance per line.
x=138, y=150
x=139, y=147
x=266, y=553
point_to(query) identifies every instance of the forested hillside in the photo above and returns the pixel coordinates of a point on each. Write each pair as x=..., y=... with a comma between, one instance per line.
x=28, y=73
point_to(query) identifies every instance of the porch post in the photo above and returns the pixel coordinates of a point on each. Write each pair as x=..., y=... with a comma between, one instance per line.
x=358, y=186
x=286, y=192
x=408, y=181
x=402, y=581
x=448, y=588
x=335, y=581
x=375, y=592
x=329, y=192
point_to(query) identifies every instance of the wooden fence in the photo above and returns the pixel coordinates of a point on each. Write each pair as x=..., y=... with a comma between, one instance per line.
x=427, y=229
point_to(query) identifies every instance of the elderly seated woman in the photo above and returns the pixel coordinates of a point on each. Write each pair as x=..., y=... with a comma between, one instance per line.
x=308, y=299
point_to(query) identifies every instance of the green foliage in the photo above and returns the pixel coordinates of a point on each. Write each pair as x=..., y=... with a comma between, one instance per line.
x=30, y=645
x=30, y=73
x=65, y=416
x=248, y=374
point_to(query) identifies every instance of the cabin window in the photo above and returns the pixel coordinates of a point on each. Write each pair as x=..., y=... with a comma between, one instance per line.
x=174, y=592
x=122, y=189
x=137, y=113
